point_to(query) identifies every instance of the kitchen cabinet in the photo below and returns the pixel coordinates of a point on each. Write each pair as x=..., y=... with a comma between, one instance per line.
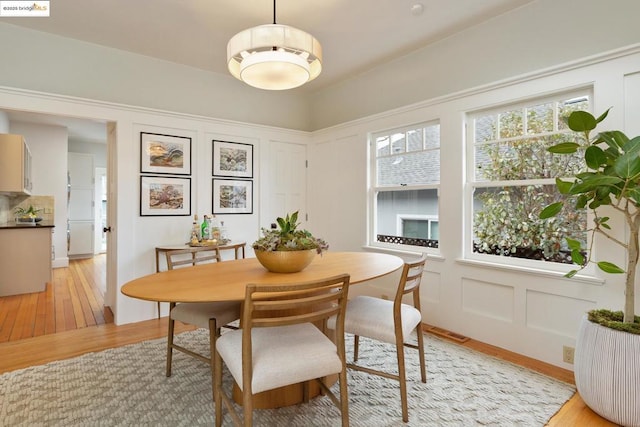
x=15, y=165
x=25, y=259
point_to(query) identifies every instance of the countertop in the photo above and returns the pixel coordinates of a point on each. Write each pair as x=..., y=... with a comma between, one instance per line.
x=12, y=225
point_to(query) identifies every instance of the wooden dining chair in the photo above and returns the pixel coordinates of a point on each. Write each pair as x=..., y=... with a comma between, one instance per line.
x=211, y=316
x=391, y=322
x=199, y=255
x=280, y=344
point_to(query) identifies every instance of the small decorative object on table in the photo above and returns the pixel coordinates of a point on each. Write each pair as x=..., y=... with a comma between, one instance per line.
x=287, y=250
x=28, y=216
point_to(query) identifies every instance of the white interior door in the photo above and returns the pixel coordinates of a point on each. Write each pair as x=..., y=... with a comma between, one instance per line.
x=288, y=180
x=100, y=236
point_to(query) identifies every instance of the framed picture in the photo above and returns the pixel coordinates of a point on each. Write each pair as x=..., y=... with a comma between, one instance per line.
x=232, y=159
x=232, y=196
x=164, y=196
x=165, y=154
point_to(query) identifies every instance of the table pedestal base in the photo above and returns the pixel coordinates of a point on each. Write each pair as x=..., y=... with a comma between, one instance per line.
x=283, y=396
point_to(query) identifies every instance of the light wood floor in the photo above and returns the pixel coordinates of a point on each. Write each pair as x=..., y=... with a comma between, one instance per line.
x=74, y=300
x=69, y=319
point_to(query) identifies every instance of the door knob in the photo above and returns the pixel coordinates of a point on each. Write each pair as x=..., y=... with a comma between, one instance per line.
x=106, y=229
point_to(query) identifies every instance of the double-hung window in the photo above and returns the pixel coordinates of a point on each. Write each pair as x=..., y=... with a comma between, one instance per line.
x=405, y=165
x=512, y=175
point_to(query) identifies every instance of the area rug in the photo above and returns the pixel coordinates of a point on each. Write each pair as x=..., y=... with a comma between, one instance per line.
x=127, y=386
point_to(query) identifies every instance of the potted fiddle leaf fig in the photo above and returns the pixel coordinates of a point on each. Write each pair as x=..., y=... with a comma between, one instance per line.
x=608, y=342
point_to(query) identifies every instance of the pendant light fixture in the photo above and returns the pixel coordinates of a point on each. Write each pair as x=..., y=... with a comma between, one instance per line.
x=274, y=56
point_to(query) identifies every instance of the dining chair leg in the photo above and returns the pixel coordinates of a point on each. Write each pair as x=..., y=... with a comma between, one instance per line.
x=247, y=402
x=356, y=347
x=213, y=334
x=423, y=367
x=217, y=384
x=402, y=377
x=170, y=333
x=344, y=398
x=158, y=309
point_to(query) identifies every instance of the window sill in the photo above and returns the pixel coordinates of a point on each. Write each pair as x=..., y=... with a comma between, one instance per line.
x=403, y=253
x=590, y=280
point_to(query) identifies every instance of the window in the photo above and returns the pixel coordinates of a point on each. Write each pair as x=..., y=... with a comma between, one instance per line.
x=406, y=177
x=513, y=178
x=418, y=226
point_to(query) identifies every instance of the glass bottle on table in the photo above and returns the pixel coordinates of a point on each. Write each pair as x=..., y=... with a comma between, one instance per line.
x=215, y=229
x=224, y=235
x=195, y=231
x=205, y=231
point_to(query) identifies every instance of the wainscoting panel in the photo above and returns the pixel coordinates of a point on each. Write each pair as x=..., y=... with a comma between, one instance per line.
x=556, y=314
x=486, y=299
x=430, y=287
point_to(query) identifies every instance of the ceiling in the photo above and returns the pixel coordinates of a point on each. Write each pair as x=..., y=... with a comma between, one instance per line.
x=356, y=35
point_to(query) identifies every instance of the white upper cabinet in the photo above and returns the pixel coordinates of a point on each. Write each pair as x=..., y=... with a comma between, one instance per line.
x=15, y=165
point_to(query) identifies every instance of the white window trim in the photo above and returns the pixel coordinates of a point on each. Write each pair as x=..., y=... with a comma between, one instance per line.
x=471, y=184
x=401, y=217
x=374, y=189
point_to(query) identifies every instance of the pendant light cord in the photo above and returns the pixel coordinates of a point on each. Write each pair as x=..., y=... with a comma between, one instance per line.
x=274, y=12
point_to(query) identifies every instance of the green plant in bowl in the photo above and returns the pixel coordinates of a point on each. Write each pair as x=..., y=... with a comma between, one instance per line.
x=29, y=214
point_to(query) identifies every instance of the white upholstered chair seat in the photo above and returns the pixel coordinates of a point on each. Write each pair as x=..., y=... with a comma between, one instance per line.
x=310, y=354
x=391, y=322
x=280, y=345
x=198, y=314
x=373, y=317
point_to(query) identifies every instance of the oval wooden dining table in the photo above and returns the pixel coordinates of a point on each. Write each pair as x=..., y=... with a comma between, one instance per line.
x=226, y=281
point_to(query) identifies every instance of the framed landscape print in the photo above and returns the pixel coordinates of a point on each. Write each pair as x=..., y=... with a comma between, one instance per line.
x=232, y=196
x=164, y=196
x=165, y=154
x=232, y=159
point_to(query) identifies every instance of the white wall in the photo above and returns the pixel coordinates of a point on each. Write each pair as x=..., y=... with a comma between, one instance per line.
x=48, y=145
x=527, y=310
x=537, y=35
x=532, y=314
x=4, y=200
x=135, y=237
x=4, y=122
x=98, y=149
x=49, y=63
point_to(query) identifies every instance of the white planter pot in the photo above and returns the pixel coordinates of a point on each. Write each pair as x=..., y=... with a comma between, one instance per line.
x=607, y=372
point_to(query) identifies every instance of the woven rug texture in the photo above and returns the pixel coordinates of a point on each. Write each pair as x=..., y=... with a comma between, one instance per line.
x=127, y=386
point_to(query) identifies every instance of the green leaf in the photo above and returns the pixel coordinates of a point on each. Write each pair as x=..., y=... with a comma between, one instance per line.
x=581, y=201
x=592, y=182
x=577, y=257
x=581, y=121
x=603, y=116
x=551, y=210
x=571, y=274
x=613, y=138
x=608, y=267
x=632, y=146
x=563, y=186
x=564, y=148
x=573, y=244
x=634, y=195
x=627, y=165
x=594, y=156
